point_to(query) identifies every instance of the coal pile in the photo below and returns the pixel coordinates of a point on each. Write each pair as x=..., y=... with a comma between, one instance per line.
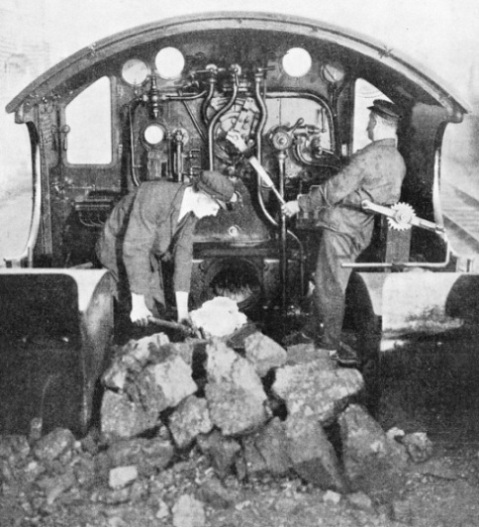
x=185, y=425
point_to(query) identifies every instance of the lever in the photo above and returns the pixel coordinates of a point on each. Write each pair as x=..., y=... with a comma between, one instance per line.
x=401, y=216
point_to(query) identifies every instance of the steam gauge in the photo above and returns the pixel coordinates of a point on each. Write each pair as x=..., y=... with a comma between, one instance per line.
x=153, y=135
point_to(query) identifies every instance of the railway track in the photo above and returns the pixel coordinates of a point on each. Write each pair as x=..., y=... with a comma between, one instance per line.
x=461, y=216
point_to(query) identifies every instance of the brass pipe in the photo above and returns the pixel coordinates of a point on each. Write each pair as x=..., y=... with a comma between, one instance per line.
x=183, y=97
x=134, y=177
x=211, y=91
x=283, y=256
x=219, y=114
x=259, y=134
x=264, y=114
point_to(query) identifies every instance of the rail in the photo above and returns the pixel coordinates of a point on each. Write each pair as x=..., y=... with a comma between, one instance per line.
x=461, y=213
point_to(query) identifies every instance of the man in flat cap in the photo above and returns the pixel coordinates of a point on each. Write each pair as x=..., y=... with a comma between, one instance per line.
x=154, y=224
x=374, y=173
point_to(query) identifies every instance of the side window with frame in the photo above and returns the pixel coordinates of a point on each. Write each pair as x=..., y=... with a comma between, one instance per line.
x=89, y=119
x=364, y=95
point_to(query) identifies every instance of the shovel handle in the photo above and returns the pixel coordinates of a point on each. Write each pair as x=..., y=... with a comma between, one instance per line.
x=170, y=325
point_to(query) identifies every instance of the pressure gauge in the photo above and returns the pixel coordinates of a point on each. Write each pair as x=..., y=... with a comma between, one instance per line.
x=297, y=62
x=135, y=72
x=153, y=134
x=169, y=63
x=333, y=72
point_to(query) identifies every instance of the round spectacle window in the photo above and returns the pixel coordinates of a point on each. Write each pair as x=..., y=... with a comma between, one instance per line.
x=135, y=72
x=154, y=134
x=297, y=62
x=169, y=63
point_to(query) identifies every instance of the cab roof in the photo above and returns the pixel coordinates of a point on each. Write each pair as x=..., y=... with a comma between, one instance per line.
x=424, y=84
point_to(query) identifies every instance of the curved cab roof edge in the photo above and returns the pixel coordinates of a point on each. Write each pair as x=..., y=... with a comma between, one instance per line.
x=106, y=47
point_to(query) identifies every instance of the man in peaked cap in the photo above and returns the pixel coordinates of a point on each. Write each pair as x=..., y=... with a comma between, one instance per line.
x=153, y=224
x=386, y=110
x=374, y=173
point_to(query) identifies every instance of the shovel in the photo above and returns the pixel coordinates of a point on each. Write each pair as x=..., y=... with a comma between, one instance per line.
x=186, y=330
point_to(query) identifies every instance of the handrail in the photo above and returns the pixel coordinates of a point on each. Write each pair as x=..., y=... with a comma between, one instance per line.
x=389, y=265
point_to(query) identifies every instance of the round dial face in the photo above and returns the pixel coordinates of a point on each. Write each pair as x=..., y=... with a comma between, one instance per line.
x=297, y=62
x=333, y=72
x=154, y=134
x=169, y=63
x=135, y=72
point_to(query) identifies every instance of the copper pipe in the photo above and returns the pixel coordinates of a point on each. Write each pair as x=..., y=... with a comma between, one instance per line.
x=264, y=114
x=183, y=97
x=283, y=255
x=206, y=102
x=259, y=133
x=134, y=177
x=217, y=116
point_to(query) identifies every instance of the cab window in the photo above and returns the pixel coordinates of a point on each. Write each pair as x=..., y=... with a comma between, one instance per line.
x=89, y=119
x=364, y=95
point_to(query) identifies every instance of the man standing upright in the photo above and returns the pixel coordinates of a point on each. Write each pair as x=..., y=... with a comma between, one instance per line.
x=374, y=173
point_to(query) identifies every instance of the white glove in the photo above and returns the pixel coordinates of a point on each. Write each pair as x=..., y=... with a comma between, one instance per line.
x=290, y=208
x=139, y=313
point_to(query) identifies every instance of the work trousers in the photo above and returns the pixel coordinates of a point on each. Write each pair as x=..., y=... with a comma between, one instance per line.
x=331, y=280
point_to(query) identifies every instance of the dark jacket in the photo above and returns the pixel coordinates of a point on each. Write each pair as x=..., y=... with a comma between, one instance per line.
x=143, y=229
x=374, y=173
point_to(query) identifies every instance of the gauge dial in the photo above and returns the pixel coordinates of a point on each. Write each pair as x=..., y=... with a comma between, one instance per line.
x=154, y=134
x=333, y=72
x=135, y=72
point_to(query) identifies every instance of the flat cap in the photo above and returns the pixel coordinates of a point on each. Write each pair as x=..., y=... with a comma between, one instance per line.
x=216, y=185
x=385, y=109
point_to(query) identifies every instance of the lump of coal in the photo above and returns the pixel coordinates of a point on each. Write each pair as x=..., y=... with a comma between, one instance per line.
x=218, y=317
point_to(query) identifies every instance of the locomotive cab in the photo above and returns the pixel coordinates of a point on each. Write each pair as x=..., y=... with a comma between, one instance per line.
x=156, y=102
